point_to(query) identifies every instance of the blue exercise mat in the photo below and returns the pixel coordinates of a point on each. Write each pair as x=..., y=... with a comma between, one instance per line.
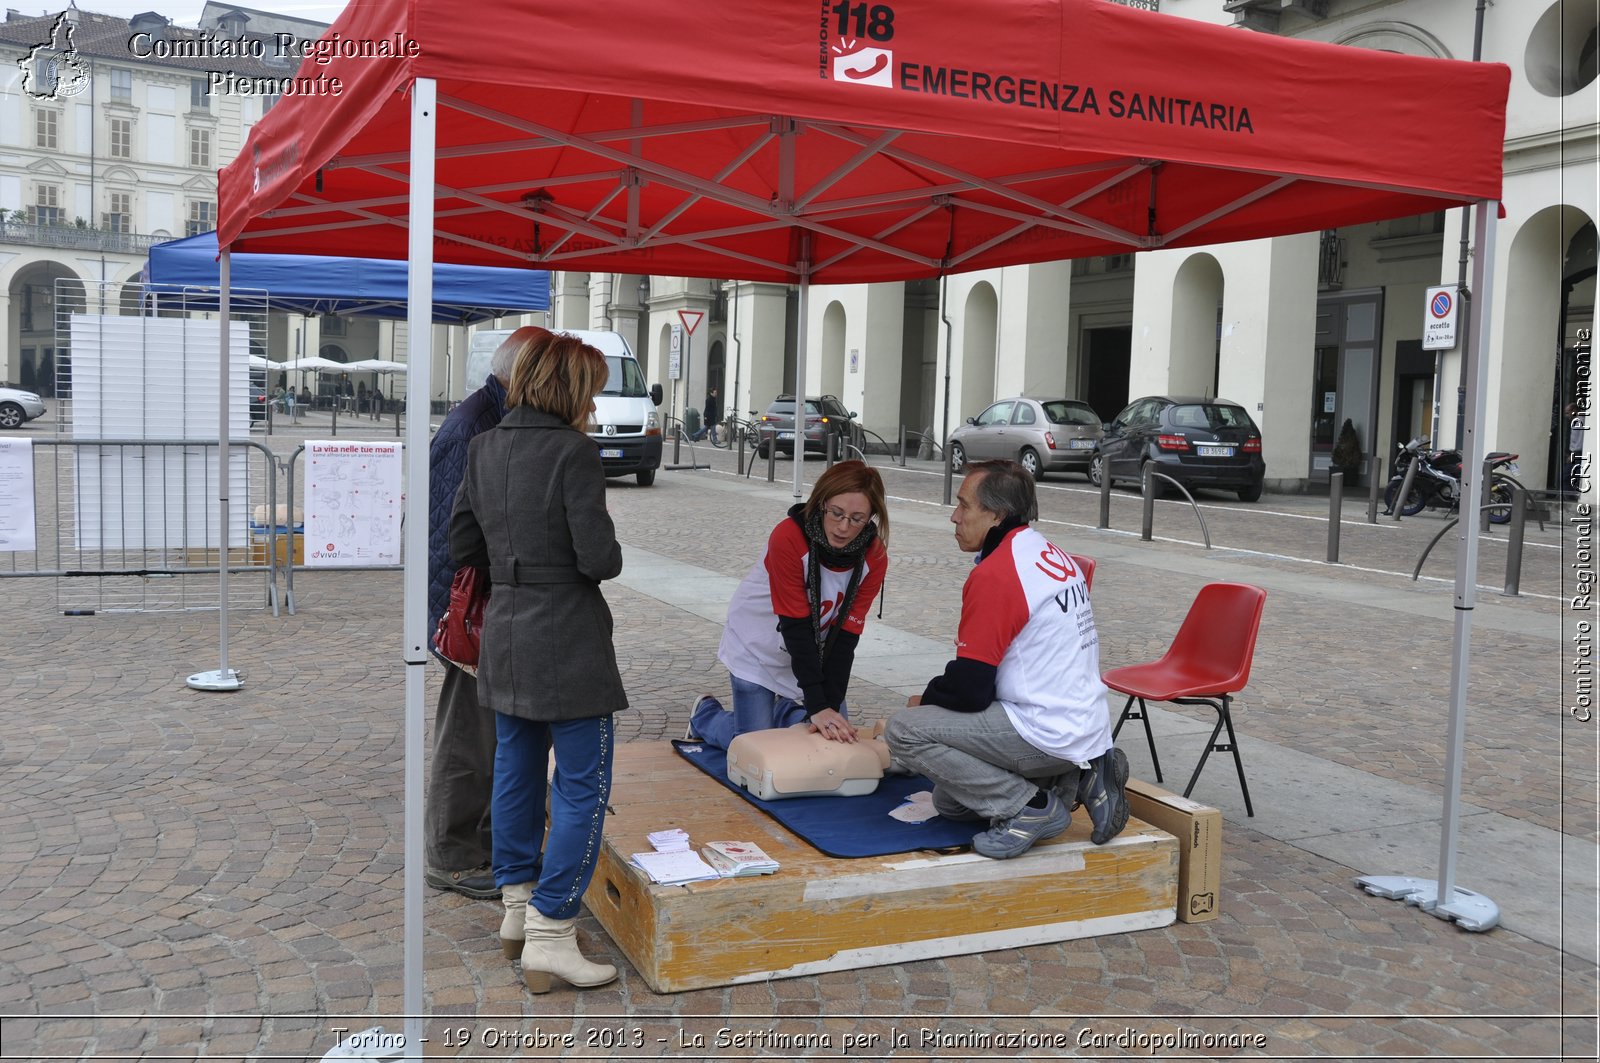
x=846, y=826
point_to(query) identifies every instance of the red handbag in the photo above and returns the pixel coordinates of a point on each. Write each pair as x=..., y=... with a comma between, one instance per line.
x=459, y=629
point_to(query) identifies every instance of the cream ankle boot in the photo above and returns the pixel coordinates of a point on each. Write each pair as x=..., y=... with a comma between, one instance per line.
x=551, y=948
x=516, y=900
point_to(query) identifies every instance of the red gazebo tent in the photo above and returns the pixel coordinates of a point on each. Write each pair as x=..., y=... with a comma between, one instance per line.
x=644, y=139
x=837, y=142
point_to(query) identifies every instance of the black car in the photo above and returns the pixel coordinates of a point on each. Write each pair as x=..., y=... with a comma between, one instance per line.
x=826, y=418
x=1198, y=442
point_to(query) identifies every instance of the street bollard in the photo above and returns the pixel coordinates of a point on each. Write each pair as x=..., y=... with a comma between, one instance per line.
x=1405, y=486
x=1484, y=498
x=1105, y=495
x=902, y=446
x=1519, y=526
x=1374, y=478
x=677, y=442
x=830, y=447
x=1335, y=511
x=772, y=456
x=739, y=460
x=1148, y=521
x=1483, y=514
x=949, y=474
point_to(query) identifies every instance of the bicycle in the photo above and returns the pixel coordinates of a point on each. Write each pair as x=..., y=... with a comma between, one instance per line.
x=733, y=427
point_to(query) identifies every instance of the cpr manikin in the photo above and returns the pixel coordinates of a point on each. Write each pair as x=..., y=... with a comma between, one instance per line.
x=798, y=762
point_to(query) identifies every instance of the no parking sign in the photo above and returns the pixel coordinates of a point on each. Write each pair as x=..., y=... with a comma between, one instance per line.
x=1439, y=322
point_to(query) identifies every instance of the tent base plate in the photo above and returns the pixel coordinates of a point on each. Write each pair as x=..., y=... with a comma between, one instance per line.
x=1469, y=910
x=216, y=680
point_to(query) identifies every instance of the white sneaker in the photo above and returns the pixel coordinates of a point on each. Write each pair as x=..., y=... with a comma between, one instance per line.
x=694, y=706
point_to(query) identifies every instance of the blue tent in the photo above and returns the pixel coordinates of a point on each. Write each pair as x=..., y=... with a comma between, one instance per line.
x=313, y=284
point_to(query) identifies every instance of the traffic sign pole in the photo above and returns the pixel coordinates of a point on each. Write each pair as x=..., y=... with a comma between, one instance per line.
x=691, y=321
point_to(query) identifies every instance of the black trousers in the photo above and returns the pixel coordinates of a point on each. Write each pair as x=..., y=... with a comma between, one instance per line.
x=461, y=777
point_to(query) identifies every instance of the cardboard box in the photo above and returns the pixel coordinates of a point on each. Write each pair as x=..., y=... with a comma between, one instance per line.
x=259, y=541
x=1198, y=829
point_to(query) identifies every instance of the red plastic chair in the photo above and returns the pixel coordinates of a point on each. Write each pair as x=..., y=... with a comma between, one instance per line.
x=1208, y=662
x=1086, y=565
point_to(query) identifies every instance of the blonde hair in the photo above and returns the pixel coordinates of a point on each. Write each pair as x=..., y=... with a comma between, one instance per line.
x=845, y=478
x=560, y=375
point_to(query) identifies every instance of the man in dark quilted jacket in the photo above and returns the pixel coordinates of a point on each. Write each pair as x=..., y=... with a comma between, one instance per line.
x=461, y=778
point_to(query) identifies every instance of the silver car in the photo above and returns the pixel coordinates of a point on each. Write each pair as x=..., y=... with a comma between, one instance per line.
x=1045, y=435
x=17, y=407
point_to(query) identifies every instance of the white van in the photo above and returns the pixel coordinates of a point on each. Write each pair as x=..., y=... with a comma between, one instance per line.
x=627, y=428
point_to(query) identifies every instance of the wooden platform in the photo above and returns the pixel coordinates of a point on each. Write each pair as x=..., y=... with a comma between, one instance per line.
x=818, y=913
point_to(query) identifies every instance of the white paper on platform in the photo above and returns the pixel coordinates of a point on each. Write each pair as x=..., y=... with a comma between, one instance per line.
x=918, y=808
x=16, y=495
x=669, y=868
x=353, y=503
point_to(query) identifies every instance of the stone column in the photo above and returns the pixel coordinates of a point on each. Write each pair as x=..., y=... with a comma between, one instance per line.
x=763, y=329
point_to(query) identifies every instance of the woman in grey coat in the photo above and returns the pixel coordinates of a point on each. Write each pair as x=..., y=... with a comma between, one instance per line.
x=531, y=510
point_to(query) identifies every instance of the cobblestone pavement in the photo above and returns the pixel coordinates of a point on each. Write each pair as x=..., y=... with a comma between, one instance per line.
x=187, y=875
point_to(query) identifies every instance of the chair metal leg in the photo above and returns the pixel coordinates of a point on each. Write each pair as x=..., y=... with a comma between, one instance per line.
x=1143, y=715
x=1224, y=719
x=1233, y=744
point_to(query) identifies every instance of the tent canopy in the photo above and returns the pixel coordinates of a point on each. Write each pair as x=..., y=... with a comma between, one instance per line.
x=315, y=284
x=896, y=137
x=782, y=140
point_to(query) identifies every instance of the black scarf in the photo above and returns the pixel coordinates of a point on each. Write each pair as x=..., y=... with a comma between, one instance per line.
x=998, y=533
x=821, y=552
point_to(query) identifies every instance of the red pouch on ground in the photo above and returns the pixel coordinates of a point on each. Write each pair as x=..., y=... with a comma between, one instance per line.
x=459, y=628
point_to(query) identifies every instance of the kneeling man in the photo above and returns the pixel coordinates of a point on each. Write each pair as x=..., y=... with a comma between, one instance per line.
x=1016, y=730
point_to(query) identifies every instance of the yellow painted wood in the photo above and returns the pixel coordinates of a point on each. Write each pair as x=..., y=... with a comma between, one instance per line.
x=837, y=913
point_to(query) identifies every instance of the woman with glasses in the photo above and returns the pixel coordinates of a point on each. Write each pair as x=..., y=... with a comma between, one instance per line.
x=794, y=621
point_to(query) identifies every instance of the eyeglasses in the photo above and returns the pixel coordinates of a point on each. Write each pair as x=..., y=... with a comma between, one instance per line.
x=855, y=520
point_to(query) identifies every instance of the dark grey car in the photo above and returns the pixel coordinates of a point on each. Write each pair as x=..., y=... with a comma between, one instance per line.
x=1199, y=442
x=826, y=417
x=1045, y=435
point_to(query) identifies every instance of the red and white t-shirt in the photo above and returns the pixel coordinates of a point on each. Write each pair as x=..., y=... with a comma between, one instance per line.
x=751, y=647
x=1025, y=609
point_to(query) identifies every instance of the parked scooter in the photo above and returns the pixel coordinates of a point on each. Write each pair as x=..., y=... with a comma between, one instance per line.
x=1437, y=483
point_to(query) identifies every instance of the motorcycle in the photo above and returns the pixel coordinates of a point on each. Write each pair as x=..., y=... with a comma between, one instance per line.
x=1437, y=483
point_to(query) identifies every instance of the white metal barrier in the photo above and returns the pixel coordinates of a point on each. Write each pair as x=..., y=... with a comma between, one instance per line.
x=126, y=525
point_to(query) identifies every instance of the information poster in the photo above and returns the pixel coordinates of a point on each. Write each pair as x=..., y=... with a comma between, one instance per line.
x=16, y=495
x=353, y=504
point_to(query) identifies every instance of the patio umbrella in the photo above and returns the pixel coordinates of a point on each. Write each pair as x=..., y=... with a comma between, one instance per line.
x=315, y=364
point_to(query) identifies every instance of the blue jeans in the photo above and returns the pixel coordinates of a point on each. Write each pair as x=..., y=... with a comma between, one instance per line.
x=755, y=708
x=562, y=864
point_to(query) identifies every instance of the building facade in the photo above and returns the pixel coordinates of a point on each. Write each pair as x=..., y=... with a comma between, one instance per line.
x=112, y=131
x=1305, y=331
